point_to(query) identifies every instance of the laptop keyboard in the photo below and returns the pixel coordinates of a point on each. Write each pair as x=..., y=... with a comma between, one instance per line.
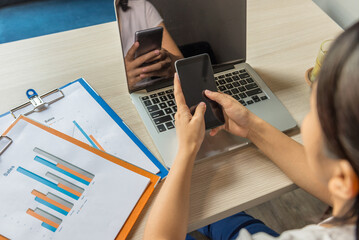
x=240, y=85
x=161, y=106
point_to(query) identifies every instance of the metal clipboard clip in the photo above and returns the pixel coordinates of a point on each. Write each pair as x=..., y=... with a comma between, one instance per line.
x=37, y=103
x=5, y=142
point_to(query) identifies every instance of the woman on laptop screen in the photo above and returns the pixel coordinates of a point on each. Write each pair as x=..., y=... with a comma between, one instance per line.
x=327, y=165
x=136, y=15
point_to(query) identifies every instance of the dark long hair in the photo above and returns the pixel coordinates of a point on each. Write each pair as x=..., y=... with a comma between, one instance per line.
x=338, y=104
x=124, y=5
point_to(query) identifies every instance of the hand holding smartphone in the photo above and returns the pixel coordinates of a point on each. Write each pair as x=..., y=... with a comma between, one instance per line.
x=149, y=40
x=196, y=75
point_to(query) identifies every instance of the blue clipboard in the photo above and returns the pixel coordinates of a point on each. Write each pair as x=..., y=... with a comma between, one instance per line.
x=38, y=104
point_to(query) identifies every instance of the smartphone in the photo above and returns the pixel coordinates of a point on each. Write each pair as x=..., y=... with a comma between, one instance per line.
x=196, y=75
x=149, y=39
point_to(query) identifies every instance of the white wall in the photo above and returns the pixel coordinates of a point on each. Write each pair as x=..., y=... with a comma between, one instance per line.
x=343, y=12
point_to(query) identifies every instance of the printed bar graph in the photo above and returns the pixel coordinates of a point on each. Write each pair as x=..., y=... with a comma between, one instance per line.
x=66, y=188
x=67, y=181
x=47, y=204
x=51, y=228
x=96, y=142
x=62, y=183
x=85, y=135
x=43, y=199
x=80, y=172
x=45, y=217
x=79, y=176
x=65, y=170
x=48, y=216
x=59, y=200
x=46, y=182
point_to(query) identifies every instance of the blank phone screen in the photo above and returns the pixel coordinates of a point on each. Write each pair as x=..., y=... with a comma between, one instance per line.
x=196, y=75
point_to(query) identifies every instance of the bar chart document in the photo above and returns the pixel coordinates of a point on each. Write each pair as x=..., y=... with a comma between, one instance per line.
x=82, y=114
x=56, y=187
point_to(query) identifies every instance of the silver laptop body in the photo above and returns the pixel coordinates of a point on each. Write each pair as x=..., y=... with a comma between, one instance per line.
x=260, y=100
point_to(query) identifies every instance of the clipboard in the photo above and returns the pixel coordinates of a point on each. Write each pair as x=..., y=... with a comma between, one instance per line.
x=55, y=136
x=40, y=104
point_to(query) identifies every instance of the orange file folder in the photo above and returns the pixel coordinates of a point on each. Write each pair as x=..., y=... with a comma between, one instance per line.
x=126, y=228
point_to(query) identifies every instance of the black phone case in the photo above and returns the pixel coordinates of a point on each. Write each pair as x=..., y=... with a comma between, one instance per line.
x=149, y=40
x=216, y=118
x=216, y=108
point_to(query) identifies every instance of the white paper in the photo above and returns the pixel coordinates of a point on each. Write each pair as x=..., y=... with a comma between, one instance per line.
x=79, y=106
x=99, y=213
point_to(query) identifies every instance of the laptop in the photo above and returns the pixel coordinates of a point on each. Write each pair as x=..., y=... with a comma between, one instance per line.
x=199, y=26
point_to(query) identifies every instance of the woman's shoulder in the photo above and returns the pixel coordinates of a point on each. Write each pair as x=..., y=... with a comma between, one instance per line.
x=140, y=5
x=138, y=2
x=316, y=232
x=310, y=232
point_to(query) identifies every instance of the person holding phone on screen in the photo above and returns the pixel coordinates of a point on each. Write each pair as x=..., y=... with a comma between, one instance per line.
x=135, y=15
x=326, y=165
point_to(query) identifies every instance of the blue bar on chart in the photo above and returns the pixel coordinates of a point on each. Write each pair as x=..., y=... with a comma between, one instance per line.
x=48, y=220
x=72, y=188
x=47, y=204
x=64, y=167
x=51, y=228
x=85, y=134
x=55, y=167
x=47, y=182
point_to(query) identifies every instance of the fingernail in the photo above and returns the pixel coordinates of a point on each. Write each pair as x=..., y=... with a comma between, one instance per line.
x=207, y=92
x=144, y=69
x=202, y=104
x=157, y=52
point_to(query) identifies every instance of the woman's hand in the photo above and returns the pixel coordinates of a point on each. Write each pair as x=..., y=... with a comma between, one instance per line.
x=238, y=118
x=190, y=129
x=162, y=64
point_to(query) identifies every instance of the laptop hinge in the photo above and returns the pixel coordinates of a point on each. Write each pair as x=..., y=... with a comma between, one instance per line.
x=161, y=84
x=226, y=66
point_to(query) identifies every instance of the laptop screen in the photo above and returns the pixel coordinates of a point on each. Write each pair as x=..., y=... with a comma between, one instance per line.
x=216, y=27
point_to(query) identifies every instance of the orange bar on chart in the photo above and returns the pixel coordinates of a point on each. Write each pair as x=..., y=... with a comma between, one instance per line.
x=49, y=200
x=60, y=185
x=74, y=172
x=97, y=144
x=41, y=218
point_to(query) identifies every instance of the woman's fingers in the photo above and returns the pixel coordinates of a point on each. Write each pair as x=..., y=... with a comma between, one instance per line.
x=134, y=80
x=131, y=53
x=180, y=100
x=160, y=73
x=163, y=55
x=135, y=72
x=146, y=57
x=214, y=131
x=159, y=66
x=221, y=98
x=156, y=58
x=199, y=112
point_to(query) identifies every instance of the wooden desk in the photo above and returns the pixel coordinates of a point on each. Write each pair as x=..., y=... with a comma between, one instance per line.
x=283, y=40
